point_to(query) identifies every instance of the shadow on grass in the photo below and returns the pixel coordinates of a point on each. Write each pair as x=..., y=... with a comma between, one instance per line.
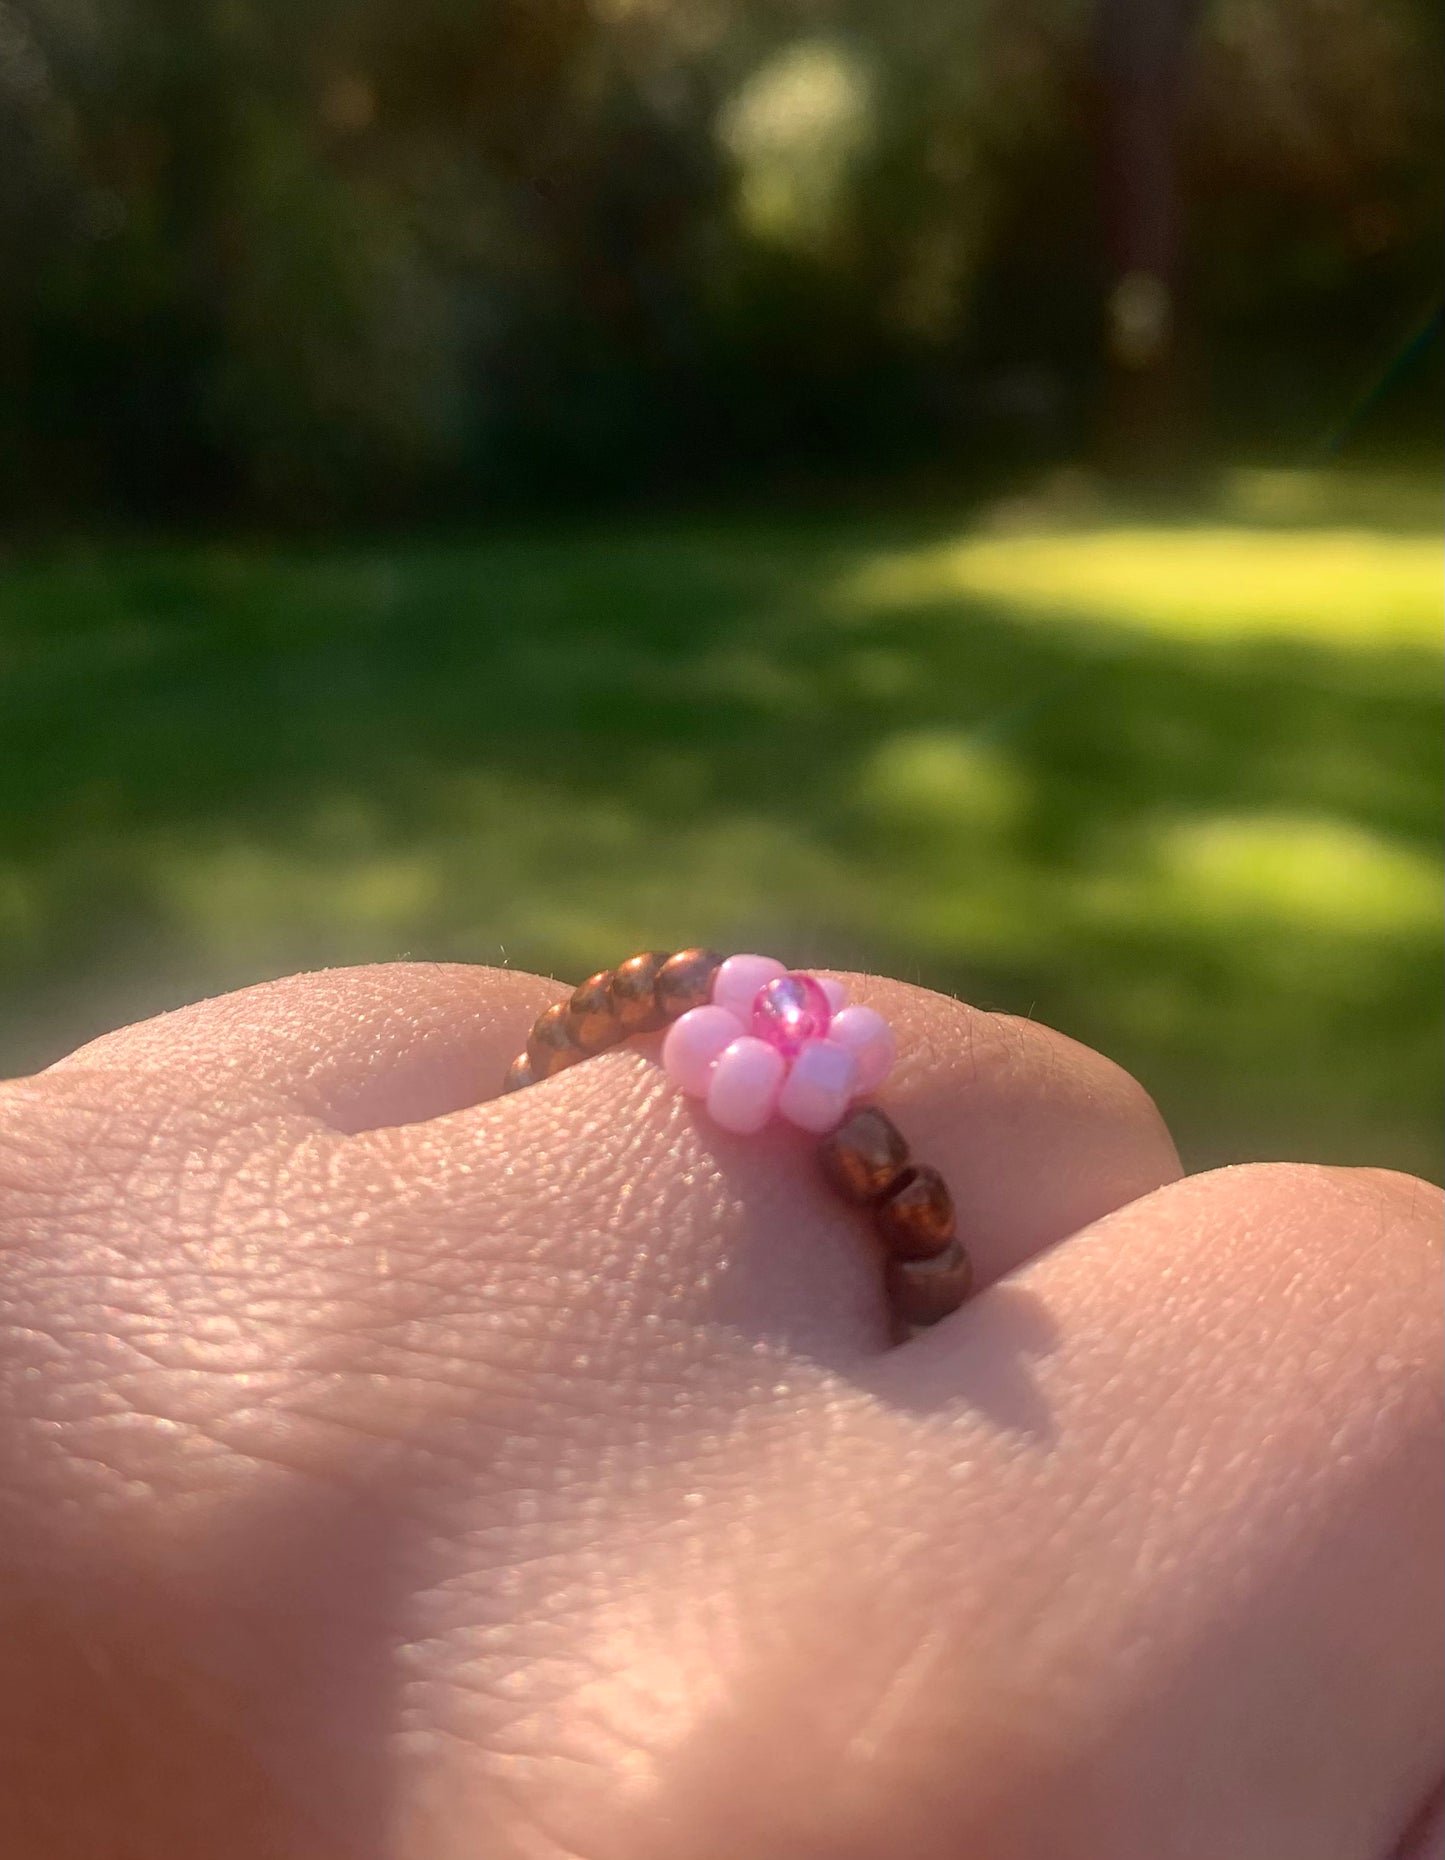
x=1213, y=854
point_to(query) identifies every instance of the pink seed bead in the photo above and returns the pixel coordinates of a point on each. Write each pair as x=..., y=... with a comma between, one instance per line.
x=871, y=1041
x=737, y=982
x=789, y=1011
x=835, y=991
x=820, y=1083
x=744, y=1085
x=693, y=1042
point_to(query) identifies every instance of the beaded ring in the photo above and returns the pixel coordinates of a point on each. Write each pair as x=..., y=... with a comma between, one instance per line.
x=753, y=1039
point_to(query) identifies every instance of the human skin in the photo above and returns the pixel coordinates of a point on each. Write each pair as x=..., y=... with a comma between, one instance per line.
x=389, y=1471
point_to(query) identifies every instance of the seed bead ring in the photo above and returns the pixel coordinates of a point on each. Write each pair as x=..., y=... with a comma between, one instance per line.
x=752, y=1040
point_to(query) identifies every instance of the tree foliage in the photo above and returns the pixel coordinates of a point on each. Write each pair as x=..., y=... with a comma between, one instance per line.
x=323, y=259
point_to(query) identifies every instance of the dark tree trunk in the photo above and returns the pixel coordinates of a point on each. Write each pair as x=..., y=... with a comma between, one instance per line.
x=1142, y=52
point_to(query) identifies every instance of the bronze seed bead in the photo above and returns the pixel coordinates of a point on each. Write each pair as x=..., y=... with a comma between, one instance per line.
x=864, y=1157
x=685, y=980
x=550, y=1045
x=924, y=1290
x=519, y=1073
x=591, y=1018
x=915, y=1218
x=633, y=991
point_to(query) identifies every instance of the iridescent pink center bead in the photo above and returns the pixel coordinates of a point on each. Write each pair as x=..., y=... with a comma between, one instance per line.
x=789, y=1011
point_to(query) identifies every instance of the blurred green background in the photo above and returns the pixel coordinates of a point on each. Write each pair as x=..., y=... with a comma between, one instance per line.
x=952, y=489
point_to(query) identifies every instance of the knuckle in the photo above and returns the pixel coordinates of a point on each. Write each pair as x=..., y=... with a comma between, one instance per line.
x=1013, y=1058
x=1059, y=1062
x=1406, y=1209
x=1372, y=1236
x=1421, y=1204
x=86, y=1131
x=56, y=1134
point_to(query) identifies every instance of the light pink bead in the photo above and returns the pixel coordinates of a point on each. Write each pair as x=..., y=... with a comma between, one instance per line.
x=835, y=991
x=693, y=1042
x=736, y=984
x=820, y=1083
x=871, y=1041
x=744, y=1085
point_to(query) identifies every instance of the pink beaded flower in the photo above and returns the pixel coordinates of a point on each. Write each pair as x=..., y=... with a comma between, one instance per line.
x=775, y=1039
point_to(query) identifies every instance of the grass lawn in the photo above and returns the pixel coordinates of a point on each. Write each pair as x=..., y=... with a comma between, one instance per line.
x=1173, y=788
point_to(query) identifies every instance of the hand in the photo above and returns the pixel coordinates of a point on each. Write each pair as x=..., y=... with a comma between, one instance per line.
x=389, y=1475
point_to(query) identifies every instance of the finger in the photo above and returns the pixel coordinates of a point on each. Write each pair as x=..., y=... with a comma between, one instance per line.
x=358, y=1048
x=605, y=1179
x=1203, y=1443
x=1036, y=1134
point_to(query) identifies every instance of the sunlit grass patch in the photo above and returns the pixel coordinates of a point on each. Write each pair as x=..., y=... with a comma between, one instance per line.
x=1300, y=876
x=946, y=780
x=1344, y=588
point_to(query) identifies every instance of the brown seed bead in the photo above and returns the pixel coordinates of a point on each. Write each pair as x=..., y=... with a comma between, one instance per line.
x=922, y=1291
x=634, y=998
x=865, y=1155
x=591, y=1018
x=519, y=1073
x=915, y=1218
x=550, y=1045
x=685, y=980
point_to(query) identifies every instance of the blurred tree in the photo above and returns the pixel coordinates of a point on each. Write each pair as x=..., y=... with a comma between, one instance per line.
x=319, y=259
